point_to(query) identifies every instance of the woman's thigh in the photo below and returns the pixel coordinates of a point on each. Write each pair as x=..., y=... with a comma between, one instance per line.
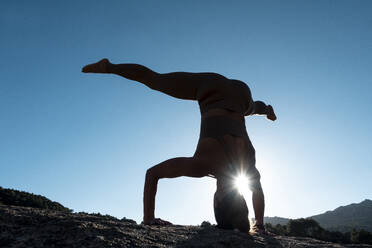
x=177, y=167
x=183, y=85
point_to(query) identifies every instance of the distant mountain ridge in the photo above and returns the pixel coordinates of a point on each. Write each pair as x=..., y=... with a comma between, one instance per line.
x=343, y=219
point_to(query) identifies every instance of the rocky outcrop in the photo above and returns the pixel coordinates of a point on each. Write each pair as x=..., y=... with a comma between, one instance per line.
x=31, y=227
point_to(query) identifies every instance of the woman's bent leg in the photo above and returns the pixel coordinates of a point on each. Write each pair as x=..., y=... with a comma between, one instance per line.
x=260, y=108
x=176, y=167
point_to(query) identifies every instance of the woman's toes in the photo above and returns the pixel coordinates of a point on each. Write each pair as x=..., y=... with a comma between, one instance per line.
x=98, y=67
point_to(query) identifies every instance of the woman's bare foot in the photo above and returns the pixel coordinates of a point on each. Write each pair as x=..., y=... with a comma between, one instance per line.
x=157, y=222
x=258, y=229
x=270, y=113
x=99, y=67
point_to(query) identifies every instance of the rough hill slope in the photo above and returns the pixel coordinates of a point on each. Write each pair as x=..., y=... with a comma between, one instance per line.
x=32, y=227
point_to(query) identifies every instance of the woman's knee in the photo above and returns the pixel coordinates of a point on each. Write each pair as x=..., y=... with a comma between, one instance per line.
x=260, y=108
x=152, y=174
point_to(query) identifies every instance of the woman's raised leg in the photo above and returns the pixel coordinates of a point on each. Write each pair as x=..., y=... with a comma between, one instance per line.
x=182, y=85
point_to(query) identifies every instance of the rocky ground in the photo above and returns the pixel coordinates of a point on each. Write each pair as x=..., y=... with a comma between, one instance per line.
x=30, y=227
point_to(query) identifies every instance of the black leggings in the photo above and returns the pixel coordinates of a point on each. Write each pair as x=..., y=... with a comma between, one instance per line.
x=181, y=85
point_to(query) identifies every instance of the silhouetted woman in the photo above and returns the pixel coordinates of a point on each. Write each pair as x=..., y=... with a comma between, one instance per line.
x=224, y=149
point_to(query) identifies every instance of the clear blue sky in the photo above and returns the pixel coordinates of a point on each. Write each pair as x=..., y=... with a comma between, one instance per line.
x=87, y=140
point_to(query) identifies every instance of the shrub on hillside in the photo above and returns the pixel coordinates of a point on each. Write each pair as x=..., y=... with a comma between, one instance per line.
x=310, y=228
x=24, y=199
x=361, y=237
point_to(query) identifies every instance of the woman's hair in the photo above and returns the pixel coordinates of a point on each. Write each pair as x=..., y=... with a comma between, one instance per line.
x=231, y=211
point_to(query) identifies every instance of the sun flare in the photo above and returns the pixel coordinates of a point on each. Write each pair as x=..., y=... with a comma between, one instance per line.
x=241, y=183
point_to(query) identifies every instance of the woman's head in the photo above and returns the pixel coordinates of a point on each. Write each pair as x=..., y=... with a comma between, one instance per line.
x=230, y=210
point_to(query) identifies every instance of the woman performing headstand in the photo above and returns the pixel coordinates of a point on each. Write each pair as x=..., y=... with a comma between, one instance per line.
x=224, y=149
